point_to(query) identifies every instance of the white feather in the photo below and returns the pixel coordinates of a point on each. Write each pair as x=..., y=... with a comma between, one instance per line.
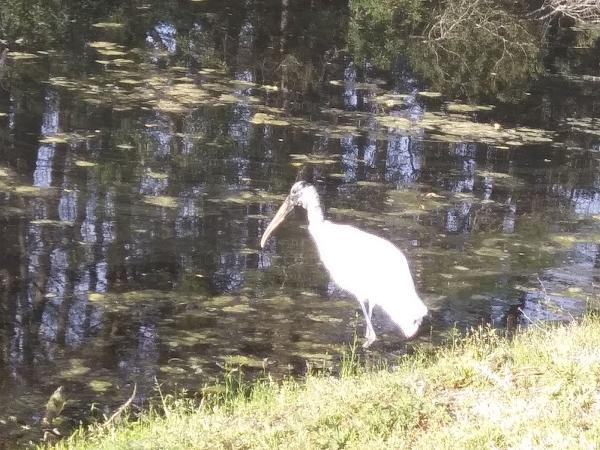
x=372, y=269
x=369, y=267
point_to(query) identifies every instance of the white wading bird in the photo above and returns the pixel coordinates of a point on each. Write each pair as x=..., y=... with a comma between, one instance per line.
x=367, y=266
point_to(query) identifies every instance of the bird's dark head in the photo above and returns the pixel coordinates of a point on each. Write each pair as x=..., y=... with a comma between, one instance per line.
x=301, y=194
x=297, y=189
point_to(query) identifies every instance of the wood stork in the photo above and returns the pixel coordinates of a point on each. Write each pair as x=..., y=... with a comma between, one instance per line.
x=369, y=267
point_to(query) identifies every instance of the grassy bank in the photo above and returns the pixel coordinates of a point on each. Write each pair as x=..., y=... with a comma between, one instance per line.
x=542, y=390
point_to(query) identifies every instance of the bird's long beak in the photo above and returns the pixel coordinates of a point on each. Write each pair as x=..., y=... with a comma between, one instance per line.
x=280, y=215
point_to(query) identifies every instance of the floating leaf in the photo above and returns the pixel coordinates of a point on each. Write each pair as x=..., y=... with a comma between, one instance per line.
x=104, y=45
x=490, y=252
x=100, y=386
x=76, y=369
x=240, y=308
x=585, y=125
x=430, y=94
x=21, y=56
x=366, y=183
x=485, y=173
x=83, y=163
x=57, y=223
x=162, y=200
x=170, y=106
x=391, y=100
x=243, y=360
x=565, y=240
x=157, y=175
x=108, y=25
x=56, y=139
x=464, y=108
x=96, y=296
x=313, y=159
x=28, y=190
x=63, y=138
x=262, y=118
x=172, y=370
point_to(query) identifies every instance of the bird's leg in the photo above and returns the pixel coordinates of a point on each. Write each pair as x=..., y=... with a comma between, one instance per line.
x=369, y=332
x=371, y=306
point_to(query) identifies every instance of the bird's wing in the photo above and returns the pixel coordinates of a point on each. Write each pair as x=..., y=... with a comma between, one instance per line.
x=358, y=260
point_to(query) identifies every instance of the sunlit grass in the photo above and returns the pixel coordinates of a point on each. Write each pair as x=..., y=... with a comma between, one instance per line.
x=540, y=390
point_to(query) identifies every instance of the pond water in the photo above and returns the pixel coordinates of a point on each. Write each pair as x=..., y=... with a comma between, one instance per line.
x=144, y=149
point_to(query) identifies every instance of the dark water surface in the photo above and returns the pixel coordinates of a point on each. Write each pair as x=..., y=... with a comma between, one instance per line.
x=143, y=153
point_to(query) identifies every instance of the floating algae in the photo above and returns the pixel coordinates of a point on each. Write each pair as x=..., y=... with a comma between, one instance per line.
x=429, y=94
x=267, y=119
x=83, y=163
x=312, y=159
x=55, y=223
x=19, y=56
x=462, y=108
x=99, y=386
x=164, y=201
x=455, y=128
x=108, y=25
x=390, y=100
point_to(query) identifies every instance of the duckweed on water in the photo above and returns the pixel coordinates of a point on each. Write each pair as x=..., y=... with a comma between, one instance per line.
x=65, y=138
x=163, y=201
x=371, y=184
x=21, y=56
x=238, y=309
x=356, y=214
x=108, y=25
x=30, y=190
x=464, y=129
x=267, y=119
x=413, y=202
x=75, y=369
x=99, y=386
x=48, y=222
x=315, y=159
x=462, y=108
x=390, y=100
x=162, y=90
x=248, y=197
x=430, y=94
x=96, y=297
x=157, y=175
x=486, y=173
x=125, y=300
x=244, y=360
x=84, y=163
x=56, y=139
x=585, y=125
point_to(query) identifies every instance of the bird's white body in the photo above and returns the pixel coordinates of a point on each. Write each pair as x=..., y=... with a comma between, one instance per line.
x=369, y=267
x=372, y=269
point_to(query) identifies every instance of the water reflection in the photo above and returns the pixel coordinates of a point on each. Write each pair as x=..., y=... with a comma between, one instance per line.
x=130, y=234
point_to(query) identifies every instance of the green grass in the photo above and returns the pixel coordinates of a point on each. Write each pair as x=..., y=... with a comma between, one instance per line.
x=540, y=390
